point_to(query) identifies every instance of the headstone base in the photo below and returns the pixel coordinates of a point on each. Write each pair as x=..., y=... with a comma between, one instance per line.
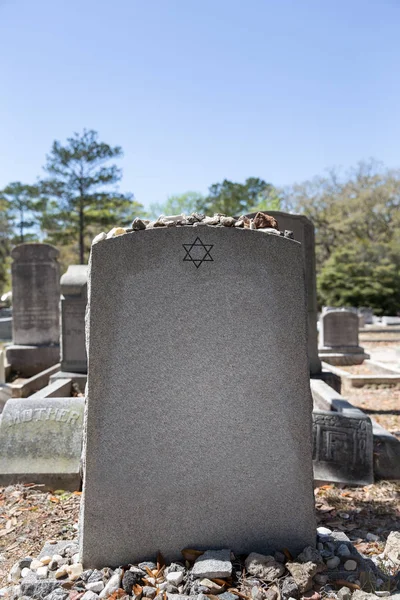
x=31, y=360
x=348, y=356
x=78, y=378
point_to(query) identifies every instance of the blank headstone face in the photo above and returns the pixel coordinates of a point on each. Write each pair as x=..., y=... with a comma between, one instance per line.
x=73, y=307
x=36, y=294
x=339, y=329
x=199, y=406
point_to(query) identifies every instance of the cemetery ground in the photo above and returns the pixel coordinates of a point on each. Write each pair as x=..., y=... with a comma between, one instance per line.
x=29, y=517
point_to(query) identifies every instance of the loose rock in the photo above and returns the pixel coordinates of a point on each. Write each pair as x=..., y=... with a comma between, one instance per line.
x=350, y=565
x=262, y=220
x=303, y=574
x=264, y=566
x=212, y=564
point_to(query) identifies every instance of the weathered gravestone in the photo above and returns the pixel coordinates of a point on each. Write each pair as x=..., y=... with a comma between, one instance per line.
x=36, y=299
x=73, y=306
x=198, y=428
x=342, y=447
x=40, y=441
x=303, y=232
x=339, y=338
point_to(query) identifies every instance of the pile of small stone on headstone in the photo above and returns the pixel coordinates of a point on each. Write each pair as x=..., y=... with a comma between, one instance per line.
x=335, y=569
x=261, y=221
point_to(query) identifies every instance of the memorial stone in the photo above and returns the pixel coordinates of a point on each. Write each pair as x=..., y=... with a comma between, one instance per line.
x=342, y=447
x=40, y=441
x=36, y=299
x=303, y=232
x=73, y=307
x=339, y=338
x=198, y=423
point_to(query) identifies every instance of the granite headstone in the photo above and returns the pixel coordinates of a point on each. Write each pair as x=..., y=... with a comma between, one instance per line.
x=198, y=422
x=36, y=316
x=339, y=338
x=303, y=232
x=342, y=447
x=73, y=306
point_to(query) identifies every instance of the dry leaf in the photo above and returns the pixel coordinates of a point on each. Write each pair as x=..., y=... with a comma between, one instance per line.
x=6, y=531
x=54, y=499
x=77, y=493
x=352, y=586
x=287, y=553
x=137, y=589
x=160, y=561
x=235, y=591
x=219, y=581
x=190, y=554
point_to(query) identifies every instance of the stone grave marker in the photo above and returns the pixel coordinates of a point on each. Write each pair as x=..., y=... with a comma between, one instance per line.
x=73, y=306
x=36, y=299
x=40, y=442
x=198, y=429
x=339, y=338
x=303, y=232
x=342, y=447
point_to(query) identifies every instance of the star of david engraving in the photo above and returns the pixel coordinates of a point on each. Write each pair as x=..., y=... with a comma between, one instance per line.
x=198, y=252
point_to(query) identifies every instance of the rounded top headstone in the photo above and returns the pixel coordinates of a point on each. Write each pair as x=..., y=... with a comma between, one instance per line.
x=35, y=252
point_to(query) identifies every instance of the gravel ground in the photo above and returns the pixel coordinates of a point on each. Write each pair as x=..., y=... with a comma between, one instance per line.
x=29, y=517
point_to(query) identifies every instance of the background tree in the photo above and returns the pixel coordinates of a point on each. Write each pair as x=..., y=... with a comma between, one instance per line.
x=5, y=245
x=357, y=225
x=232, y=198
x=175, y=205
x=77, y=194
x=19, y=203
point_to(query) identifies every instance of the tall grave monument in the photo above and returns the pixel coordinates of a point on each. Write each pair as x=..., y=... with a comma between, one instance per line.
x=198, y=419
x=73, y=307
x=303, y=232
x=36, y=316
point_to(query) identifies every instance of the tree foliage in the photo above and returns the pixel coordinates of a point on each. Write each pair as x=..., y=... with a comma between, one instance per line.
x=227, y=197
x=19, y=202
x=357, y=225
x=178, y=204
x=232, y=198
x=80, y=191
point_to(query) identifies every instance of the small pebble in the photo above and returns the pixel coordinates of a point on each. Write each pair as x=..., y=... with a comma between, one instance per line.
x=149, y=592
x=45, y=560
x=42, y=572
x=74, y=571
x=350, y=565
x=89, y=596
x=343, y=550
x=25, y=571
x=323, y=531
x=35, y=564
x=333, y=562
x=99, y=238
x=175, y=577
x=371, y=537
x=95, y=586
x=61, y=572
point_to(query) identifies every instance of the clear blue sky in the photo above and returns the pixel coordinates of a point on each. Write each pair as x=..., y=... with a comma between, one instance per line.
x=196, y=91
